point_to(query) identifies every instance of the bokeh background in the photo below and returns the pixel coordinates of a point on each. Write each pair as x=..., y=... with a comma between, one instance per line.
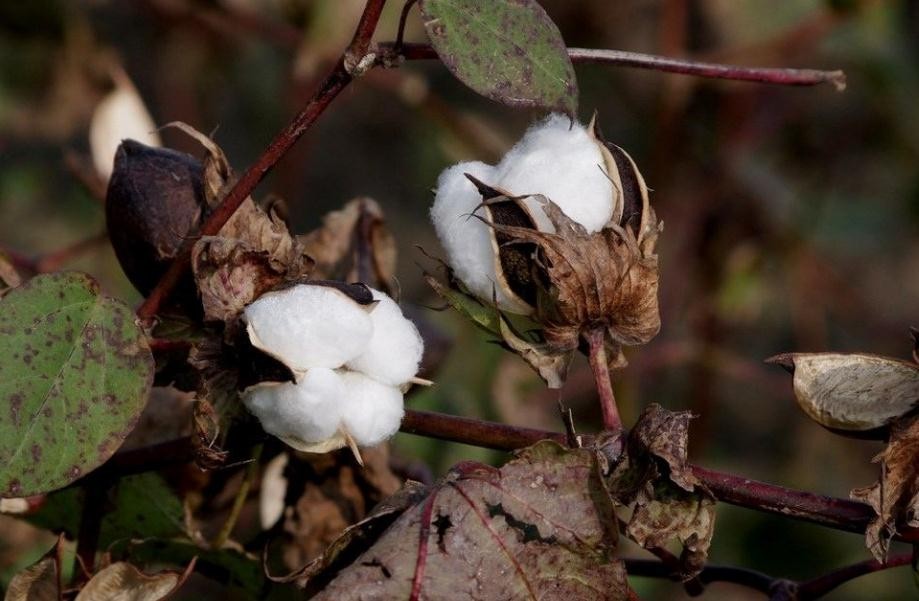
x=791, y=213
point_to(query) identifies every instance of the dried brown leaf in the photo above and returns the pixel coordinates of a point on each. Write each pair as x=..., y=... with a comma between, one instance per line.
x=9, y=277
x=354, y=244
x=664, y=435
x=852, y=393
x=895, y=496
x=123, y=582
x=539, y=527
x=41, y=581
x=665, y=512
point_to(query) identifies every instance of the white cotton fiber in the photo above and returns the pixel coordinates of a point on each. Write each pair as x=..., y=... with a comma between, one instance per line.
x=118, y=116
x=307, y=412
x=466, y=239
x=309, y=326
x=564, y=163
x=395, y=349
x=371, y=411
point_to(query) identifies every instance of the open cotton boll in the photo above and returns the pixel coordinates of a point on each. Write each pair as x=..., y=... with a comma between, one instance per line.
x=371, y=411
x=120, y=115
x=309, y=326
x=466, y=239
x=563, y=162
x=300, y=413
x=395, y=349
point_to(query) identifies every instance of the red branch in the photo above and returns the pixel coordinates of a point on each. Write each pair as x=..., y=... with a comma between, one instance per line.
x=599, y=366
x=785, y=77
x=342, y=74
x=831, y=512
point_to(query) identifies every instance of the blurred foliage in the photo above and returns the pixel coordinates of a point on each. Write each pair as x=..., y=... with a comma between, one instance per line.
x=791, y=213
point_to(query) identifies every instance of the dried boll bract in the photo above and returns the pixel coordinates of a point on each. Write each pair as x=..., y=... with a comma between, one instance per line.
x=853, y=394
x=571, y=242
x=352, y=353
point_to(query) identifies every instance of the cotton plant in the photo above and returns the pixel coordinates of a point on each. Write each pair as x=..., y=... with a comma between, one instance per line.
x=560, y=230
x=352, y=356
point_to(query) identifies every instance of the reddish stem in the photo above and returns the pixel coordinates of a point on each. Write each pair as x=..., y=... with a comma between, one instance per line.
x=334, y=83
x=424, y=534
x=821, y=585
x=785, y=77
x=599, y=365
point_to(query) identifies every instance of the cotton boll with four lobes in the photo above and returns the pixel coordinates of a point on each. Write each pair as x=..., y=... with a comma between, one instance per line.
x=120, y=115
x=395, y=348
x=466, y=239
x=371, y=411
x=562, y=161
x=309, y=326
x=303, y=413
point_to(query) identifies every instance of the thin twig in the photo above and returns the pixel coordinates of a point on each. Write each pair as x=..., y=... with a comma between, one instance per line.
x=650, y=568
x=239, y=500
x=342, y=74
x=599, y=365
x=56, y=259
x=403, y=17
x=821, y=585
x=95, y=490
x=622, y=58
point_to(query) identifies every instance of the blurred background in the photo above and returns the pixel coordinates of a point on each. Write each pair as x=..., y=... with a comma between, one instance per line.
x=791, y=213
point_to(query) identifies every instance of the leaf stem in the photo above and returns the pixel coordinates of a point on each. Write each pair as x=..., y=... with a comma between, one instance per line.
x=342, y=74
x=821, y=585
x=599, y=365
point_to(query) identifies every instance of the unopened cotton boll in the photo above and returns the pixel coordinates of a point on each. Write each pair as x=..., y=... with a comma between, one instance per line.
x=308, y=326
x=371, y=411
x=562, y=161
x=302, y=413
x=395, y=348
x=467, y=239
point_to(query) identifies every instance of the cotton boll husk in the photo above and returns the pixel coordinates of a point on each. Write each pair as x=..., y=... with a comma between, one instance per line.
x=300, y=413
x=371, y=411
x=563, y=162
x=120, y=115
x=465, y=238
x=395, y=349
x=309, y=326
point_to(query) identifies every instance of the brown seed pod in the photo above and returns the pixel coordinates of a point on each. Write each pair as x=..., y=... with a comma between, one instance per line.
x=856, y=395
x=155, y=201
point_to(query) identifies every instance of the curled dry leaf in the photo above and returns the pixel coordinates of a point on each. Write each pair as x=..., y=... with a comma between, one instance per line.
x=895, y=496
x=121, y=581
x=354, y=245
x=41, y=581
x=670, y=503
x=9, y=276
x=539, y=527
x=852, y=394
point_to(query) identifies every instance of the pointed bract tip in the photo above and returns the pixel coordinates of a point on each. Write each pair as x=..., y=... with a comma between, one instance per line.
x=784, y=360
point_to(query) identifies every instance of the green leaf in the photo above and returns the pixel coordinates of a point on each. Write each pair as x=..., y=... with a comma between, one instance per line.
x=74, y=376
x=487, y=318
x=506, y=50
x=142, y=506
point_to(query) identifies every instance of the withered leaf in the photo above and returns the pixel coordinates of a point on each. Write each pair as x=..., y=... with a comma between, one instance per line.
x=539, y=527
x=9, y=277
x=665, y=512
x=121, y=581
x=852, y=393
x=895, y=496
x=41, y=581
x=354, y=244
x=665, y=435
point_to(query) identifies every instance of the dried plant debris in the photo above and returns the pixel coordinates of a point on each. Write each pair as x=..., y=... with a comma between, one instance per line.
x=354, y=245
x=40, y=581
x=653, y=475
x=853, y=394
x=562, y=231
x=121, y=581
x=539, y=527
x=895, y=496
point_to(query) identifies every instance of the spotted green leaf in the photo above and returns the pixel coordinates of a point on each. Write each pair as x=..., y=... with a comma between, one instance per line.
x=506, y=50
x=74, y=375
